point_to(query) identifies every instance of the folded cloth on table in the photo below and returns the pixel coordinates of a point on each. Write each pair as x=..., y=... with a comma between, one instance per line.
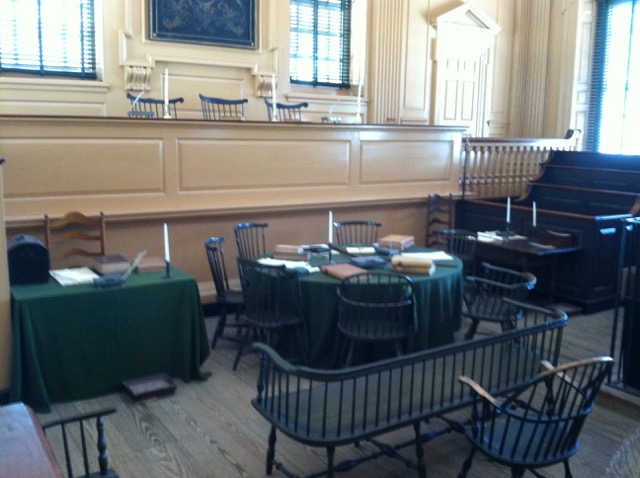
x=413, y=265
x=341, y=271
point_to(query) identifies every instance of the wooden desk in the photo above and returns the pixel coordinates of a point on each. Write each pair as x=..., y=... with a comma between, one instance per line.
x=523, y=255
x=77, y=342
x=25, y=451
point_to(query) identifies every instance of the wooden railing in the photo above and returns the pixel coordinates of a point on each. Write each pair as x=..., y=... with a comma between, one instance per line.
x=493, y=167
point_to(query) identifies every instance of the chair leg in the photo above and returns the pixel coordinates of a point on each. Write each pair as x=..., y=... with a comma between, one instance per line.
x=331, y=451
x=567, y=470
x=472, y=329
x=517, y=472
x=243, y=344
x=271, y=451
x=467, y=464
x=222, y=322
x=420, y=463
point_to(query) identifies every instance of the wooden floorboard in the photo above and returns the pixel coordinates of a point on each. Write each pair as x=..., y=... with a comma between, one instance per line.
x=209, y=429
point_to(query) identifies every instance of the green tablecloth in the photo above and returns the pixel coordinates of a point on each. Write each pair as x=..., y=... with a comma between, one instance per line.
x=77, y=342
x=439, y=307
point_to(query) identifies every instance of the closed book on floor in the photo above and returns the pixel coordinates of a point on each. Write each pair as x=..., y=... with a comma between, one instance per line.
x=110, y=264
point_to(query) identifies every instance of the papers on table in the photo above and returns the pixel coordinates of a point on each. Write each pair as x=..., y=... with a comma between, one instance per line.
x=74, y=276
x=434, y=256
x=288, y=264
x=493, y=236
x=360, y=250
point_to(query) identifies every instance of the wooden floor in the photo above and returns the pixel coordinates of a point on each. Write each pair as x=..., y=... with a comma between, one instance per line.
x=209, y=429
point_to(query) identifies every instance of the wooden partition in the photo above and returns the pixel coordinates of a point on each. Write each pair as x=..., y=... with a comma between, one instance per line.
x=201, y=178
x=503, y=166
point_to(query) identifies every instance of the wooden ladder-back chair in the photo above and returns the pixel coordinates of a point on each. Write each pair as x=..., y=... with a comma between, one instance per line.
x=287, y=113
x=220, y=109
x=484, y=294
x=272, y=304
x=374, y=308
x=356, y=232
x=74, y=235
x=152, y=108
x=539, y=423
x=228, y=299
x=439, y=216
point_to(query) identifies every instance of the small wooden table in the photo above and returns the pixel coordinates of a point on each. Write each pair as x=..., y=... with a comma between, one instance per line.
x=524, y=255
x=25, y=451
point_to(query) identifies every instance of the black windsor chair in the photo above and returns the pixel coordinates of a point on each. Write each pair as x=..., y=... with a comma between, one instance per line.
x=538, y=424
x=376, y=307
x=219, y=109
x=459, y=242
x=483, y=296
x=287, y=113
x=152, y=108
x=227, y=299
x=356, y=232
x=251, y=239
x=272, y=304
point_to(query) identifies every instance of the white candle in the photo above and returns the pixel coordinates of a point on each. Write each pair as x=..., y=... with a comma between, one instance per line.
x=508, y=210
x=166, y=87
x=274, y=110
x=167, y=256
x=535, y=215
x=359, y=95
x=330, y=227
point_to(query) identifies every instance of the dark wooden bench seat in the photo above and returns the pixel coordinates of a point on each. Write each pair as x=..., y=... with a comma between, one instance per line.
x=330, y=408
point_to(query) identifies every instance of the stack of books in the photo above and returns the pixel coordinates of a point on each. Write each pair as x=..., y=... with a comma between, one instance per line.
x=412, y=265
x=110, y=264
x=289, y=252
x=397, y=241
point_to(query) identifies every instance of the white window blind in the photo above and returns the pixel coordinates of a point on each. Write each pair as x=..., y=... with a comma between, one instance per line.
x=48, y=37
x=320, y=43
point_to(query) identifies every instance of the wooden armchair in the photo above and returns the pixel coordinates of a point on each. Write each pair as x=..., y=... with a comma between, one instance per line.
x=74, y=236
x=152, y=108
x=67, y=434
x=539, y=423
x=219, y=109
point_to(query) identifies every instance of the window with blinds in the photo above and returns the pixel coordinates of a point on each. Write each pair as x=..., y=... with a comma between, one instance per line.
x=615, y=91
x=320, y=46
x=48, y=37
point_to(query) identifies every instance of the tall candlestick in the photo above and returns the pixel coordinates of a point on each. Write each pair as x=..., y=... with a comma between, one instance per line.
x=167, y=256
x=274, y=109
x=330, y=227
x=359, y=95
x=508, y=210
x=165, y=94
x=535, y=215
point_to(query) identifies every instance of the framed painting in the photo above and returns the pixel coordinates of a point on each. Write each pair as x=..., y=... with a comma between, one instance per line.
x=231, y=23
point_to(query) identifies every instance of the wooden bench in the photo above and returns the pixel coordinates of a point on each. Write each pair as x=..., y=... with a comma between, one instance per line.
x=330, y=408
